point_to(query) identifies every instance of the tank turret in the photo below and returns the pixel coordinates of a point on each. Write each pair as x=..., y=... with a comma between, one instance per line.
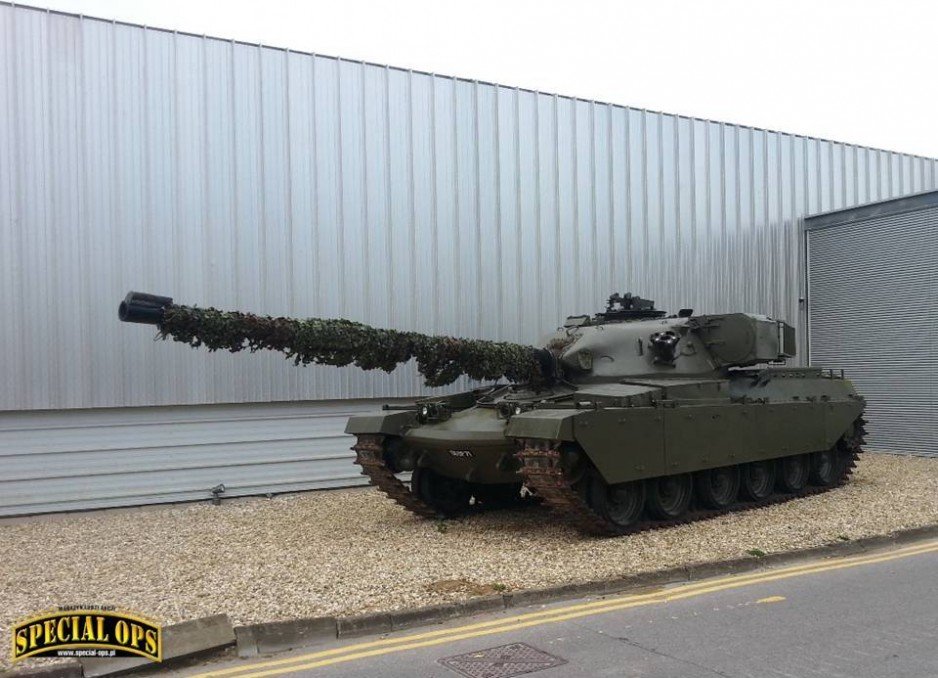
x=632, y=339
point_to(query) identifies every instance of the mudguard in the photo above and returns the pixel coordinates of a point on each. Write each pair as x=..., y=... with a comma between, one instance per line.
x=546, y=424
x=385, y=423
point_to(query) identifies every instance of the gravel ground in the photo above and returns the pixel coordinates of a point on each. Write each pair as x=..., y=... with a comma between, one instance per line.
x=351, y=551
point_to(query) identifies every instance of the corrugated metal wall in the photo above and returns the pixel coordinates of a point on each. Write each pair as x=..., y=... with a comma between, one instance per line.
x=874, y=313
x=86, y=459
x=244, y=176
x=273, y=181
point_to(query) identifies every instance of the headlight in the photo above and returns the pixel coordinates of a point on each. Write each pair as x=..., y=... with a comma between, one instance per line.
x=508, y=410
x=432, y=412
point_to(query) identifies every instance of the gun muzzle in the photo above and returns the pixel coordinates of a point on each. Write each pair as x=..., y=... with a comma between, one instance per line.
x=139, y=307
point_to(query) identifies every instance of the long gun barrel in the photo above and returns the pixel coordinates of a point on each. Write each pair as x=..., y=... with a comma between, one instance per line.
x=440, y=359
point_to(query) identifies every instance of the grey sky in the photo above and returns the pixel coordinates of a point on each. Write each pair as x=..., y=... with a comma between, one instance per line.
x=855, y=71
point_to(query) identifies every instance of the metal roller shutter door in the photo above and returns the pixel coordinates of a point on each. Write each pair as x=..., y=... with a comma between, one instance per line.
x=873, y=312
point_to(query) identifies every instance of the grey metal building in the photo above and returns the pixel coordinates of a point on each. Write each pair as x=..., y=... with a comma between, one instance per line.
x=873, y=311
x=236, y=175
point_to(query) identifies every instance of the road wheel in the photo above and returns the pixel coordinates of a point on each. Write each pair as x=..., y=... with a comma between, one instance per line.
x=757, y=480
x=620, y=504
x=669, y=496
x=826, y=468
x=717, y=488
x=793, y=473
x=448, y=496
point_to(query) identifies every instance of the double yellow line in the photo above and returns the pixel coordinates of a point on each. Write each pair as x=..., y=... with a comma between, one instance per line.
x=375, y=648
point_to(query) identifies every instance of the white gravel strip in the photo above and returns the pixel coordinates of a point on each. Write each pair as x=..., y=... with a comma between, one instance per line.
x=349, y=551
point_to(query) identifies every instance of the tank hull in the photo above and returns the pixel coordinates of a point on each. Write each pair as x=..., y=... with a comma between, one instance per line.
x=683, y=426
x=637, y=431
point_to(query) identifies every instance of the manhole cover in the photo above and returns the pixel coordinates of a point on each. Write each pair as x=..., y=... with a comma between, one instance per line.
x=502, y=662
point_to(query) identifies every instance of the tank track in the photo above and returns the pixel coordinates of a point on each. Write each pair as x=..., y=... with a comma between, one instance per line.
x=369, y=454
x=542, y=472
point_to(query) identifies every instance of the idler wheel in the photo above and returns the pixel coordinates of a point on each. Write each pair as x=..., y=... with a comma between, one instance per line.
x=717, y=488
x=669, y=496
x=620, y=504
x=827, y=467
x=793, y=473
x=448, y=496
x=758, y=480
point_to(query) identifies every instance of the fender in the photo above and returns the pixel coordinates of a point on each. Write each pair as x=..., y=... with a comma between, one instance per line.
x=385, y=423
x=546, y=424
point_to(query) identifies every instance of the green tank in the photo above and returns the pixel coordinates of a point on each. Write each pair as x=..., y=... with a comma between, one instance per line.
x=620, y=421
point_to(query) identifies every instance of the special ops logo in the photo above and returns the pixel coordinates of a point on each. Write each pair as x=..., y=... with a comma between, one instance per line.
x=87, y=632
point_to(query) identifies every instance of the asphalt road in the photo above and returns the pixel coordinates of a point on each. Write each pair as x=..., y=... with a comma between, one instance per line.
x=867, y=616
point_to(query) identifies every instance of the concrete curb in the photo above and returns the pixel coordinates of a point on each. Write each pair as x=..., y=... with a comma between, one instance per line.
x=180, y=641
x=271, y=637
x=280, y=636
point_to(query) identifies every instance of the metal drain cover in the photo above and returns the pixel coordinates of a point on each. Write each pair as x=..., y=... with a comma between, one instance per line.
x=503, y=661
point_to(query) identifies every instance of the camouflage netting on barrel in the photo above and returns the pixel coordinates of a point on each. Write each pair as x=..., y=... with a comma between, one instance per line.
x=441, y=360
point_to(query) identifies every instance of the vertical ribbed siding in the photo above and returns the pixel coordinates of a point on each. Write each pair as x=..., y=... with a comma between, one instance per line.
x=873, y=313
x=242, y=176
